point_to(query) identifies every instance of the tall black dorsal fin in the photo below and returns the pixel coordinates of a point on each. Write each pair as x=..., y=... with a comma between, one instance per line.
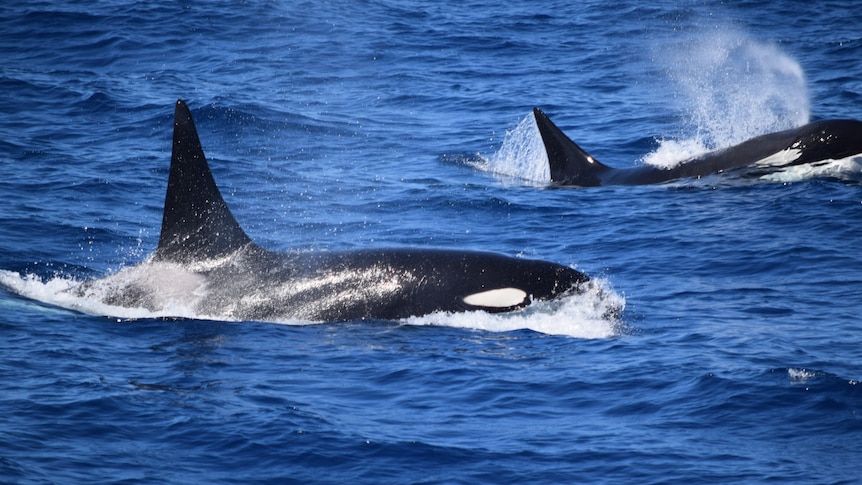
x=570, y=165
x=197, y=224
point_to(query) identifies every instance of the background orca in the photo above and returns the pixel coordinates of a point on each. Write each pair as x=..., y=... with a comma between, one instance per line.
x=206, y=261
x=820, y=140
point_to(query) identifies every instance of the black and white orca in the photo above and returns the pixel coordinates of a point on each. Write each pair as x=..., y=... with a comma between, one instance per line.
x=814, y=142
x=206, y=261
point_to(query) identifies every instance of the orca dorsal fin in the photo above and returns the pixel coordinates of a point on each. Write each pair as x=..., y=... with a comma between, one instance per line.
x=197, y=224
x=569, y=163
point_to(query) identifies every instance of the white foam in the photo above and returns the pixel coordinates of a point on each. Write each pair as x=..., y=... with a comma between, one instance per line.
x=57, y=291
x=590, y=315
x=30, y=286
x=800, y=376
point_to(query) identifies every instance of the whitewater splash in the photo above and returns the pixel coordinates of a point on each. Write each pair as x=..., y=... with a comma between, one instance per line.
x=58, y=291
x=593, y=314
x=521, y=155
x=730, y=88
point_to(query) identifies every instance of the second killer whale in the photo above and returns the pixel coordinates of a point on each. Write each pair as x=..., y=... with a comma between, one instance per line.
x=206, y=264
x=821, y=140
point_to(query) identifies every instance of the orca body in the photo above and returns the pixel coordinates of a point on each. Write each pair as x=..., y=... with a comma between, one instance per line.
x=206, y=261
x=814, y=142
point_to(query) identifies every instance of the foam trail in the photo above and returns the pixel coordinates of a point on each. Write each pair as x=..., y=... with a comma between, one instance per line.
x=56, y=291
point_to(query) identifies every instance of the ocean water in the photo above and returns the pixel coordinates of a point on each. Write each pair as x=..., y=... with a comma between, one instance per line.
x=736, y=355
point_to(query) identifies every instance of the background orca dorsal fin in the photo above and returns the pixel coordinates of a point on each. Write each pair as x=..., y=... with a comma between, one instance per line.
x=197, y=224
x=569, y=163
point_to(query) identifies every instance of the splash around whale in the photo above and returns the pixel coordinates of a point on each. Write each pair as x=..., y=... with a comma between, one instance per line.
x=760, y=156
x=206, y=266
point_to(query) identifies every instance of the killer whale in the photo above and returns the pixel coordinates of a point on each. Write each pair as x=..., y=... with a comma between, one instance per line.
x=205, y=260
x=821, y=140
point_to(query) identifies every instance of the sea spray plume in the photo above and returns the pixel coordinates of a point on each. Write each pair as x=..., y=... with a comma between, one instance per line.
x=731, y=88
x=522, y=153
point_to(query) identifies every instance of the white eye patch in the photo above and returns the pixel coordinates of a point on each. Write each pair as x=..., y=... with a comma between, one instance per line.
x=499, y=298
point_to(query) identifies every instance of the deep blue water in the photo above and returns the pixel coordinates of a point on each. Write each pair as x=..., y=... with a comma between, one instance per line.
x=358, y=124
